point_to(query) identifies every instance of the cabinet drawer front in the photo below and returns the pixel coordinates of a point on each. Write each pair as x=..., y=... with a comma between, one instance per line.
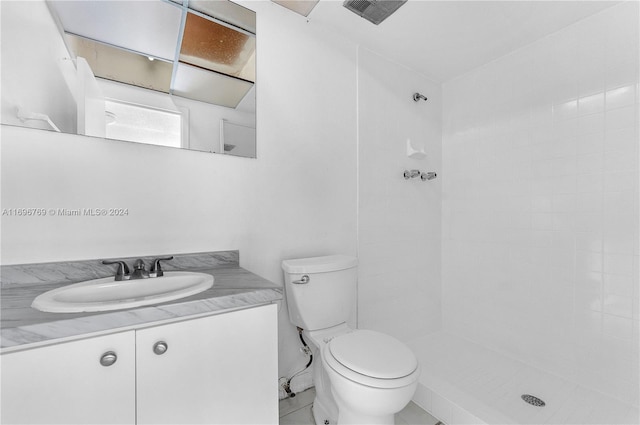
x=215, y=370
x=91, y=381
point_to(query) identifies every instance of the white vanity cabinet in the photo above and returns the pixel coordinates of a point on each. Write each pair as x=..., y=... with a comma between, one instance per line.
x=219, y=369
x=79, y=382
x=215, y=370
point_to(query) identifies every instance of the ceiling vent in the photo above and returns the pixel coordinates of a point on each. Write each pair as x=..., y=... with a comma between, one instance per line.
x=374, y=11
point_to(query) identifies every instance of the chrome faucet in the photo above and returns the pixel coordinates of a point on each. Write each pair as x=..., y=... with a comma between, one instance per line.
x=139, y=270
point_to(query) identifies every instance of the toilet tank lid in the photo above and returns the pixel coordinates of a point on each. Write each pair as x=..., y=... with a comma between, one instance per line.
x=329, y=263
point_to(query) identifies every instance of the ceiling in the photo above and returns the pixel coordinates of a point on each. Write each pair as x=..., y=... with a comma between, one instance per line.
x=205, y=52
x=445, y=39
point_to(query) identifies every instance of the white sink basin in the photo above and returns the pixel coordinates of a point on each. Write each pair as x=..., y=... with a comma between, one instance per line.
x=107, y=294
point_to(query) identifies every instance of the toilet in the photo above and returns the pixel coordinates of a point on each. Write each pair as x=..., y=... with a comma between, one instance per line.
x=361, y=376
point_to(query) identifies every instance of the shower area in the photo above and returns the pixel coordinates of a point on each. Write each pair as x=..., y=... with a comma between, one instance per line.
x=513, y=275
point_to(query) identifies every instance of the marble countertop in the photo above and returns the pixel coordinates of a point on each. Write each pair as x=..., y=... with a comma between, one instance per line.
x=24, y=327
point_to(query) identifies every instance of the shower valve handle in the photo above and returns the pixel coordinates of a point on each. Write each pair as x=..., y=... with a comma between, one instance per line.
x=410, y=174
x=428, y=176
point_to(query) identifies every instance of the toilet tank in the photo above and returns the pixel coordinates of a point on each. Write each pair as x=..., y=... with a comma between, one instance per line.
x=328, y=296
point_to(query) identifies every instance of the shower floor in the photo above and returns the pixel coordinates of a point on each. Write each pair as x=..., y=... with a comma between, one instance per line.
x=465, y=383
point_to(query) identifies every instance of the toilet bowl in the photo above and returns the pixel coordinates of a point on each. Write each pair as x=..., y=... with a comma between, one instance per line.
x=372, y=375
x=361, y=376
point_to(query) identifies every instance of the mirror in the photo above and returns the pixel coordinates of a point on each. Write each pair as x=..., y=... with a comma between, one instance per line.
x=155, y=71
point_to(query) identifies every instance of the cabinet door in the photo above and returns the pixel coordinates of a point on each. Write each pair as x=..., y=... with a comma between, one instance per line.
x=216, y=370
x=67, y=384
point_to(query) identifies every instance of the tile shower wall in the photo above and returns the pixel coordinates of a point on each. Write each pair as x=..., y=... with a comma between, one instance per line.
x=540, y=210
x=399, y=220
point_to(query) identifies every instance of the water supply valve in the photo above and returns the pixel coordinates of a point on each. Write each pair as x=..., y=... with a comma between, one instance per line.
x=412, y=174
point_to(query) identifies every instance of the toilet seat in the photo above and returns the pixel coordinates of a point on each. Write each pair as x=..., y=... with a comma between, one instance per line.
x=372, y=358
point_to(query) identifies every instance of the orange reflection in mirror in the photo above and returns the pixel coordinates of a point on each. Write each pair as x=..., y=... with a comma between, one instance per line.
x=216, y=47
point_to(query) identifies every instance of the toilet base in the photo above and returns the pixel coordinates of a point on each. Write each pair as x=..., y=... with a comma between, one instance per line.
x=321, y=414
x=349, y=416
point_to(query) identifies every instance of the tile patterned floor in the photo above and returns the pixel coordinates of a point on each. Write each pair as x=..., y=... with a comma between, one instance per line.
x=297, y=411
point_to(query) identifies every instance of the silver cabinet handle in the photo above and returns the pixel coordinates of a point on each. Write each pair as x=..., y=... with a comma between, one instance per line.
x=108, y=358
x=305, y=279
x=160, y=347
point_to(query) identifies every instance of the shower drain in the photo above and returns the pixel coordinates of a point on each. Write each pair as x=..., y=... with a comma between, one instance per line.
x=533, y=400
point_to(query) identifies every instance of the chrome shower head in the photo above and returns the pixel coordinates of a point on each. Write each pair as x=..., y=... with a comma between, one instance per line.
x=418, y=96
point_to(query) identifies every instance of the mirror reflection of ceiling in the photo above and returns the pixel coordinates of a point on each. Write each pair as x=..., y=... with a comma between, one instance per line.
x=216, y=47
x=166, y=46
x=302, y=7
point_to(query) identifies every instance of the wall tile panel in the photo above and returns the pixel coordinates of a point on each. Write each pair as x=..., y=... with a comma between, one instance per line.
x=399, y=232
x=540, y=203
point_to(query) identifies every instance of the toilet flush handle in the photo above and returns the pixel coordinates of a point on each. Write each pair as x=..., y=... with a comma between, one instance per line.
x=305, y=279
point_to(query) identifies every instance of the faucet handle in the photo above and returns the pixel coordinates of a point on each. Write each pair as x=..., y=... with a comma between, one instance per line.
x=123, y=270
x=157, y=268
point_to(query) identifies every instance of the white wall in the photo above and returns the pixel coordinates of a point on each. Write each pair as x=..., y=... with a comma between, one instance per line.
x=35, y=82
x=540, y=210
x=297, y=199
x=398, y=220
